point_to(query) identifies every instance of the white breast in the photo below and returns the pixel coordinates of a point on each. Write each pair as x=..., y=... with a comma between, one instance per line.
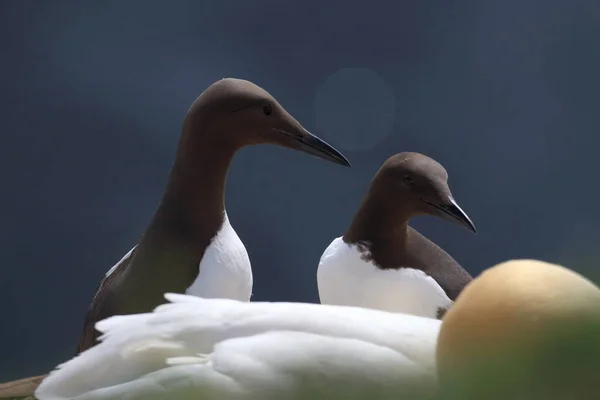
x=229, y=350
x=345, y=279
x=225, y=270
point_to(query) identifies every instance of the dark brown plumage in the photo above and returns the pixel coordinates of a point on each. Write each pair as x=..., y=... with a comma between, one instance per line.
x=228, y=115
x=407, y=185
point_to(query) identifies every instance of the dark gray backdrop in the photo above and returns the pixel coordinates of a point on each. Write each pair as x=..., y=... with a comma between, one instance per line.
x=503, y=93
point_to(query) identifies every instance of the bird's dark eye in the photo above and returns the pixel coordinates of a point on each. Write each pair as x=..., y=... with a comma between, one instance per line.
x=267, y=109
x=409, y=179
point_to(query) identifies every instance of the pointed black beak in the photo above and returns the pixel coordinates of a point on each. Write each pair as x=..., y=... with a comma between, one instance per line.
x=311, y=144
x=451, y=211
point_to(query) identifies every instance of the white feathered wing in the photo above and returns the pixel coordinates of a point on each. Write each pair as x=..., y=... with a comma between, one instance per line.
x=194, y=348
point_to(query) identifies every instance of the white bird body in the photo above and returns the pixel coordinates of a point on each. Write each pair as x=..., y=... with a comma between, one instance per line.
x=346, y=278
x=194, y=348
x=225, y=270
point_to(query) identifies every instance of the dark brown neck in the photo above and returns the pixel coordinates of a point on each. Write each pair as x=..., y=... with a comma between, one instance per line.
x=380, y=230
x=194, y=201
x=190, y=214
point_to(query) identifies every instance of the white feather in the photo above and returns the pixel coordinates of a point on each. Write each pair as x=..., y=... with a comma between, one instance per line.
x=223, y=349
x=344, y=278
x=225, y=270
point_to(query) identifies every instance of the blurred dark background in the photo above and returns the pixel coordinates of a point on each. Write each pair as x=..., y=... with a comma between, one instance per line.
x=502, y=93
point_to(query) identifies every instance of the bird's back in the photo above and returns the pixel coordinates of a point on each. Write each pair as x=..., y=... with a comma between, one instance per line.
x=225, y=349
x=438, y=264
x=100, y=308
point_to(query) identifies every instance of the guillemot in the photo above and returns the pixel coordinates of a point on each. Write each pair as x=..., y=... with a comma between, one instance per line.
x=190, y=246
x=383, y=263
